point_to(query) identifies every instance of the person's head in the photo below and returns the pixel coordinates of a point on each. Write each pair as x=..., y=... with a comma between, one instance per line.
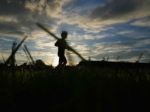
x=64, y=34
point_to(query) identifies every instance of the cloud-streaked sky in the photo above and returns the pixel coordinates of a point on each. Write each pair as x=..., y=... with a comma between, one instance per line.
x=97, y=28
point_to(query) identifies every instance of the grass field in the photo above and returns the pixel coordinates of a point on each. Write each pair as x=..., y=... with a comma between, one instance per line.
x=75, y=89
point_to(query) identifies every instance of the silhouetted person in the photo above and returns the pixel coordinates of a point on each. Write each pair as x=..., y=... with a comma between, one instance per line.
x=62, y=45
x=13, y=60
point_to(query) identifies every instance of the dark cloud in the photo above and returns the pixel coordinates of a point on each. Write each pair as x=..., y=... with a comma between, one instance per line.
x=12, y=6
x=9, y=29
x=26, y=14
x=19, y=6
x=10, y=9
x=115, y=8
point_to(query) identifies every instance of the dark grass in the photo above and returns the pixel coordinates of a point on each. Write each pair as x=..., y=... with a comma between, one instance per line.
x=75, y=89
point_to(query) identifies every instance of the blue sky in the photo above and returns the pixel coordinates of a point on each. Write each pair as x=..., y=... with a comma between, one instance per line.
x=97, y=28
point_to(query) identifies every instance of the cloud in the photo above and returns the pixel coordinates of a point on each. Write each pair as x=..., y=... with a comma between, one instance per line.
x=54, y=13
x=75, y=12
x=12, y=7
x=52, y=8
x=103, y=14
x=23, y=14
x=143, y=22
x=120, y=8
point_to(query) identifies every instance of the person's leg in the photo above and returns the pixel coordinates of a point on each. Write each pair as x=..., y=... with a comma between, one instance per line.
x=60, y=61
x=64, y=61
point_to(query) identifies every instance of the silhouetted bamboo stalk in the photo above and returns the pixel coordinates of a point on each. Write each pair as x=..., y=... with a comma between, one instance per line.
x=3, y=59
x=15, y=50
x=26, y=55
x=139, y=58
x=33, y=62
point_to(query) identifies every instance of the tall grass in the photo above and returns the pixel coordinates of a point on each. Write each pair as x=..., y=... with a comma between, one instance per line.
x=75, y=89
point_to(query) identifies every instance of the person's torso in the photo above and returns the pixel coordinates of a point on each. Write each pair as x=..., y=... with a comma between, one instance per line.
x=61, y=47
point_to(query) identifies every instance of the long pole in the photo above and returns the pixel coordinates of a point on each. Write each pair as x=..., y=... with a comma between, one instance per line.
x=53, y=35
x=26, y=55
x=29, y=54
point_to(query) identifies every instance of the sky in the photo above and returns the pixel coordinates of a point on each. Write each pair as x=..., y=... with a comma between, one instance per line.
x=115, y=29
